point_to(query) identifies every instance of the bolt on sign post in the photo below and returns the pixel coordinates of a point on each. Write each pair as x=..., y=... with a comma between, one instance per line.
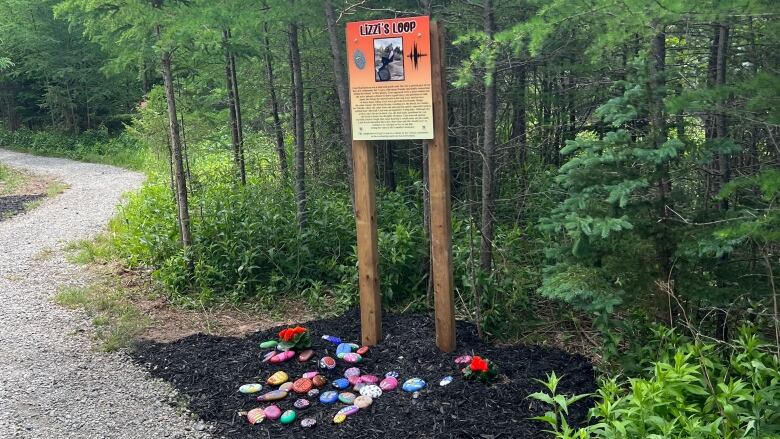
x=398, y=91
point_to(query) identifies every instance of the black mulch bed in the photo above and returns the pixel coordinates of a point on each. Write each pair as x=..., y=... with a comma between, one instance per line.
x=209, y=370
x=11, y=205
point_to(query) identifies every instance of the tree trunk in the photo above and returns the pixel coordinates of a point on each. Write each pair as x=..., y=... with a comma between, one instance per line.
x=278, y=131
x=389, y=175
x=721, y=127
x=300, y=152
x=176, y=153
x=234, y=133
x=489, y=150
x=315, y=151
x=341, y=90
x=239, y=119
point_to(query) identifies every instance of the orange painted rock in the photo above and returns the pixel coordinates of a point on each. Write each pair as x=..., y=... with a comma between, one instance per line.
x=302, y=385
x=363, y=350
x=255, y=416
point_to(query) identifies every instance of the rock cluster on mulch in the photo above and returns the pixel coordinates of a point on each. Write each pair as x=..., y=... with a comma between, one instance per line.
x=209, y=370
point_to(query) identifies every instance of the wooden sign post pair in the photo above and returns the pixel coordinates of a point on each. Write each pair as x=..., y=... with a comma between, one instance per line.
x=398, y=91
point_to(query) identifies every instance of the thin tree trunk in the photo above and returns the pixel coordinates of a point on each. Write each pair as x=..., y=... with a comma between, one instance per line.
x=300, y=153
x=315, y=151
x=721, y=127
x=239, y=120
x=235, y=139
x=389, y=175
x=278, y=131
x=341, y=90
x=176, y=153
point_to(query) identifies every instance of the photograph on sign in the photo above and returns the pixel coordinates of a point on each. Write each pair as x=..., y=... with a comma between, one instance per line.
x=390, y=79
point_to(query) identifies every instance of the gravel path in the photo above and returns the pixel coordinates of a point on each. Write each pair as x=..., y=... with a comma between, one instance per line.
x=53, y=384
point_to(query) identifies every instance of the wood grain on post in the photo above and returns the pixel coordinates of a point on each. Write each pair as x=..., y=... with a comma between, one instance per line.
x=439, y=183
x=368, y=254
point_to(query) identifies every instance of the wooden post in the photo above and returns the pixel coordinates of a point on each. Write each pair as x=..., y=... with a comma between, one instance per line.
x=368, y=254
x=439, y=182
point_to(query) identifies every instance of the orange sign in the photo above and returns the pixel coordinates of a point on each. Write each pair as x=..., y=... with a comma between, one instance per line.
x=390, y=79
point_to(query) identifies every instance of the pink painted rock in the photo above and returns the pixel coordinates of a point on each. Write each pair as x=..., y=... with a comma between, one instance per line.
x=305, y=355
x=310, y=375
x=370, y=379
x=286, y=387
x=363, y=350
x=268, y=356
x=255, y=416
x=352, y=357
x=273, y=412
x=353, y=379
x=352, y=371
x=282, y=357
x=463, y=359
x=389, y=383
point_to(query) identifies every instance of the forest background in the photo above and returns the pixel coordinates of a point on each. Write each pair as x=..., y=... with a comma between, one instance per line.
x=615, y=165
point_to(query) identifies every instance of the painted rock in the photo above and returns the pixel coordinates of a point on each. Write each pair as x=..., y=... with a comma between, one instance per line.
x=352, y=358
x=273, y=396
x=319, y=381
x=305, y=355
x=308, y=422
x=446, y=380
x=354, y=346
x=313, y=392
x=463, y=360
x=359, y=386
x=348, y=410
x=250, y=388
x=341, y=383
x=327, y=363
x=332, y=339
x=301, y=403
x=269, y=344
x=255, y=416
x=363, y=350
x=363, y=401
x=347, y=397
x=413, y=384
x=268, y=356
x=282, y=357
x=339, y=418
x=392, y=374
x=272, y=412
x=352, y=371
x=310, y=375
x=388, y=384
x=371, y=390
x=329, y=397
x=288, y=417
x=353, y=379
x=286, y=387
x=370, y=379
x=342, y=349
x=302, y=385
x=278, y=378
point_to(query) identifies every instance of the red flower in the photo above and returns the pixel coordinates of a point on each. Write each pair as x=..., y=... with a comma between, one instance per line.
x=478, y=364
x=289, y=334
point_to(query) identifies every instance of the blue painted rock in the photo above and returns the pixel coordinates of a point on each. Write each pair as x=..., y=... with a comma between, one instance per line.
x=363, y=401
x=268, y=356
x=269, y=344
x=329, y=397
x=250, y=388
x=363, y=350
x=301, y=403
x=332, y=339
x=339, y=418
x=413, y=384
x=463, y=360
x=392, y=374
x=308, y=422
x=371, y=390
x=305, y=355
x=288, y=417
x=388, y=384
x=313, y=392
x=255, y=416
x=352, y=358
x=278, y=378
x=327, y=363
x=273, y=396
x=370, y=379
x=352, y=371
x=343, y=348
x=302, y=385
x=282, y=357
x=286, y=386
x=347, y=397
x=310, y=375
x=341, y=383
x=348, y=410
x=446, y=380
x=272, y=412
